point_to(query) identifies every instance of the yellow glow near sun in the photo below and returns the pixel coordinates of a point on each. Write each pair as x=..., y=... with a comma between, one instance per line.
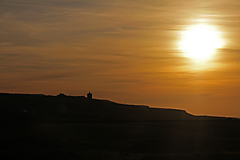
x=200, y=42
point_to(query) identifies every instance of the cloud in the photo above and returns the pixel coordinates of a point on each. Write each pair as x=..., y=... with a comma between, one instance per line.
x=29, y=23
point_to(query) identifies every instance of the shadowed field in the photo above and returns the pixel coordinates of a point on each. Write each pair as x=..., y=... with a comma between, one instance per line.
x=55, y=135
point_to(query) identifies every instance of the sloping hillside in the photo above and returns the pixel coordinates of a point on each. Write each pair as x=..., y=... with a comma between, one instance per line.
x=42, y=108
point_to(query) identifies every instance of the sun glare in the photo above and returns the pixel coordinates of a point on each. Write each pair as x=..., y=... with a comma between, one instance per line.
x=200, y=42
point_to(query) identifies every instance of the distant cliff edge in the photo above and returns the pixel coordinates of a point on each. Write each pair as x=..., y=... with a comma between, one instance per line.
x=62, y=108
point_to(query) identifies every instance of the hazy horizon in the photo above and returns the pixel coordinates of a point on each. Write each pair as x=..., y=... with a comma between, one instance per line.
x=134, y=52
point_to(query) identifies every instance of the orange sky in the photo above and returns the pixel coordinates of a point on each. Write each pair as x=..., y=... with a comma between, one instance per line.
x=125, y=51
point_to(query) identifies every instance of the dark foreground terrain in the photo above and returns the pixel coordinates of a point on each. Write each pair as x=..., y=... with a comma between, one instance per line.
x=76, y=128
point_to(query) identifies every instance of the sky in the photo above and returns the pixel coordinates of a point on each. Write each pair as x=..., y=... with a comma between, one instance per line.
x=126, y=51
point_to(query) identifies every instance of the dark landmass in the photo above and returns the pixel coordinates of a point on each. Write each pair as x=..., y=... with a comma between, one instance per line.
x=74, y=127
x=62, y=108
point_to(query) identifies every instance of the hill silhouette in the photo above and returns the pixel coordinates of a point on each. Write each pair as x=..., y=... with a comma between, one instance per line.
x=79, y=108
x=35, y=126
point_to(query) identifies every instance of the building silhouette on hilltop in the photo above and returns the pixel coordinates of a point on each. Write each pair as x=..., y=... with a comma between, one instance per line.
x=61, y=95
x=89, y=95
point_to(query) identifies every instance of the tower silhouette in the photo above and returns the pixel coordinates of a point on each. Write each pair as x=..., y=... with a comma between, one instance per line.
x=89, y=95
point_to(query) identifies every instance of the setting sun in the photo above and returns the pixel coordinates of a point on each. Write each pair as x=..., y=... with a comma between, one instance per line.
x=200, y=42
